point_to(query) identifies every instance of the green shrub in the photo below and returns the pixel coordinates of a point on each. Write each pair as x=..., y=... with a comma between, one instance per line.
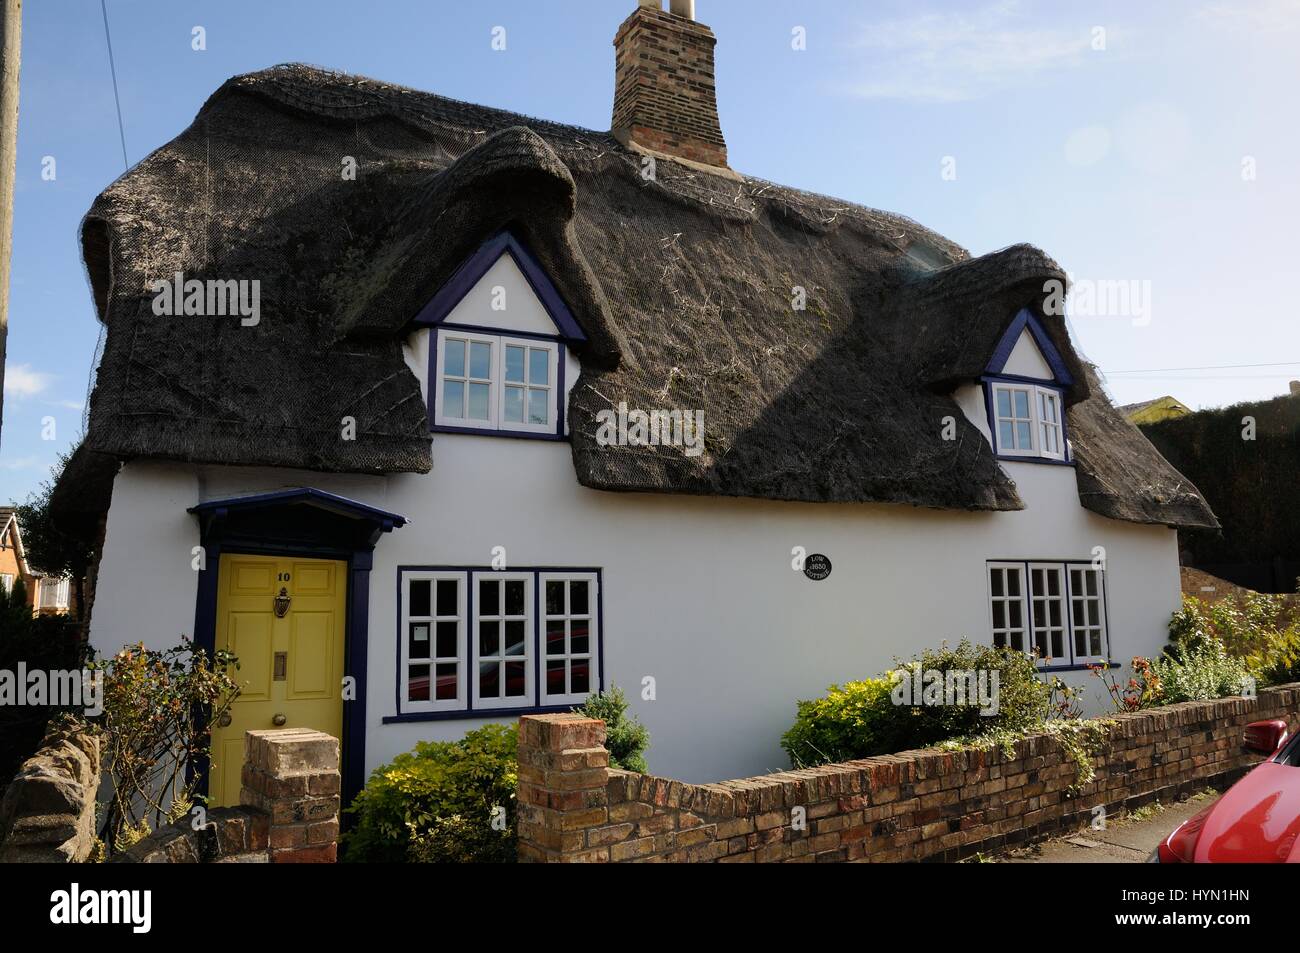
x=625, y=737
x=1259, y=629
x=875, y=716
x=444, y=802
x=1198, y=671
x=849, y=722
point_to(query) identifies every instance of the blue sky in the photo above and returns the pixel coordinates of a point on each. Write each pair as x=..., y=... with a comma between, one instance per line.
x=1121, y=138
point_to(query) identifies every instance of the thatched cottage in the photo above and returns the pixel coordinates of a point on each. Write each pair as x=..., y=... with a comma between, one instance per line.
x=517, y=410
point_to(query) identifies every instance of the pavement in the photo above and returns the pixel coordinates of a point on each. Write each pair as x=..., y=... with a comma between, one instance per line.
x=1129, y=840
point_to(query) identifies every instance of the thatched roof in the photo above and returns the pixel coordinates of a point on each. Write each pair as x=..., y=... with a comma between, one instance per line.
x=683, y=285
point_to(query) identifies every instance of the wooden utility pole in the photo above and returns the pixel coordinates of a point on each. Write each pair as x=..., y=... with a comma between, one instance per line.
x=11, y=36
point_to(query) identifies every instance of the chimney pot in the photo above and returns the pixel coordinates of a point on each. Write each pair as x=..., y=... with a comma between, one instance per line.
x=1295, y=388
x=682, y=8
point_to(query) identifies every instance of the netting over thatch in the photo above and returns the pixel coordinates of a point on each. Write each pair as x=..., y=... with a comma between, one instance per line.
x=684, y=284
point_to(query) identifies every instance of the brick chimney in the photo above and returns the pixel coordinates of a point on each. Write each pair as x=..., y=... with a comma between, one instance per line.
x=664, y=99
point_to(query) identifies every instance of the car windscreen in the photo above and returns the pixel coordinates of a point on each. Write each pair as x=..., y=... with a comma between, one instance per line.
x=1290, y=753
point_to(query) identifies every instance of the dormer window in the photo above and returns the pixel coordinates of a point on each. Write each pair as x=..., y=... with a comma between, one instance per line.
x=1028, y=420
x=1025, y=385
x=501, y=338
x=493, y=382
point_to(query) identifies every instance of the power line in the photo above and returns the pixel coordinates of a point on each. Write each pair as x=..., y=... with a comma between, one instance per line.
x=1208, y=367
x=121, y=130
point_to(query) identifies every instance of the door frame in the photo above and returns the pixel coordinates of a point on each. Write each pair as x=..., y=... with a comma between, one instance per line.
x=310, y=524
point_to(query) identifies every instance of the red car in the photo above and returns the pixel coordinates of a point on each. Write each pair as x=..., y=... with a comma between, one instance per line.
x=1258, y=820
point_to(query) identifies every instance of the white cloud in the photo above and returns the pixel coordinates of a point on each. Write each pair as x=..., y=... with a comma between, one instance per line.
x=951, y=56
x=22, y=382
x=22, y=463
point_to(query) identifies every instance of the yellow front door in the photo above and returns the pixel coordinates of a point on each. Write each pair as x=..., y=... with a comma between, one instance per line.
x=290, y=658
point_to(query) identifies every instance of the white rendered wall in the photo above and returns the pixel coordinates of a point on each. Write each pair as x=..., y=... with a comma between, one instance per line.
x=698, y=592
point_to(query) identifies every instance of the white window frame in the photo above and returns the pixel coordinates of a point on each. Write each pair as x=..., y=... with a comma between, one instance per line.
x=1049, y=427
x=1070, y=598
x=1039, y=425
x=7, y=582
x=55, y=591
x=462, y=659
x=592, y=615
x=528, y=698
x=1007, y=601
x=1046, y=660
x=497, y=381
x=441, y=417
x=552, y=368
x=1082, y=598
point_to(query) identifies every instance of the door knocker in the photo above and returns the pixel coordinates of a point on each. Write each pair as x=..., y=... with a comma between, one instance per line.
x=282, y=603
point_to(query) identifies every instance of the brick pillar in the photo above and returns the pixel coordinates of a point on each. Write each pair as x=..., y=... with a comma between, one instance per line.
x=563, y=773
x=293, y=775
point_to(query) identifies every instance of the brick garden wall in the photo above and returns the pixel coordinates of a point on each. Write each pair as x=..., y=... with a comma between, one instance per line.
x=915, y=805
x=288, y=810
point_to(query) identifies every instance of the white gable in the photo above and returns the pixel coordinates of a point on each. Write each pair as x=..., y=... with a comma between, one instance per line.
x=504, y=285
x=1026, y=360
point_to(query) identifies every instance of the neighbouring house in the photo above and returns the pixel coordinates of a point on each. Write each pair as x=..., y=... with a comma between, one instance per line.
x=517, y=410
x=13, y=557
x=1159, y=408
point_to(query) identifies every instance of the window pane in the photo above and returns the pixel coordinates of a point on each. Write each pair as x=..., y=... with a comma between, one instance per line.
x=417, y=683
x=555, y=637
x=515, y=597
x=514, y=638
x=489, y=597
x=1094, y=614
x=446, y=689
x=514, y=405
x=578, y=597
x=539, y=366
x=447, y=639
x=999, y=615
x=489, y=638
x=453, y=399
x=480, y=360
x=1022, y=403
x=1092, y=583
x=478, y=401
x=1017, y=621
x=447, y=602
x=555, y=677
x=1096, y=643
x=1023, y=439
x=1004, y=403
x=418, y=644
x=489, y=679
x=1013, y=582
x=1058, y=645
x=515, y=679
x=554, y=597
x=578, y=638
x=580, y=676
x=995, y=581
x=537, y=406
x=514, y=363
x=1006, y=435
x=419, y=597
x=453, y=363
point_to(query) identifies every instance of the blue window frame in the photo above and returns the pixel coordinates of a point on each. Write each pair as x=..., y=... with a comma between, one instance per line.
x=475, y=641
x=1053, y=609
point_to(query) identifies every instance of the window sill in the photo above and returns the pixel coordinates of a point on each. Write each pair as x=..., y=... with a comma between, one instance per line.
x=487, y=432
x=1050, y=461
x=466, y=714
x=1083, y=667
